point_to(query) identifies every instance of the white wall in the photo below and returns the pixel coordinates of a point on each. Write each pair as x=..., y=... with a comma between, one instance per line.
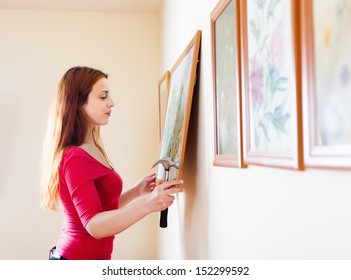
x=36, y=49
x=253, y=213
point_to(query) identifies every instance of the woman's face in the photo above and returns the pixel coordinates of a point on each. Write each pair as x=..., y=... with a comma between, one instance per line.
x=99, y=104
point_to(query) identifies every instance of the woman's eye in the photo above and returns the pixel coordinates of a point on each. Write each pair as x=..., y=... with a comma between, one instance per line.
x=103, y=97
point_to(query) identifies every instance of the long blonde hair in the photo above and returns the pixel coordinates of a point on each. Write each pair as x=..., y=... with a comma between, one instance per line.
x=67, y=126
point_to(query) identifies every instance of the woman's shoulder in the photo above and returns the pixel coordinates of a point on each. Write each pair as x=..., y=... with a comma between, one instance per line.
x=76, y=166
x=75, y=153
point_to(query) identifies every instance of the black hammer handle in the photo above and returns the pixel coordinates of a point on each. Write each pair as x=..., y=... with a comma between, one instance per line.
x=163, y=218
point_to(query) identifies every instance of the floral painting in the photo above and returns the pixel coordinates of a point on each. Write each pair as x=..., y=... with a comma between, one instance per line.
x=271, y=77
x=178, y=108
x=226, y=65
x=271, y=80
x=327, y=87
x=332, y=45
x=227, y=98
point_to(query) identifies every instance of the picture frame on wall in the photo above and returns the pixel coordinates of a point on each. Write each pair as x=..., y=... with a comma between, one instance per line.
x=225, y=42
x=326, y=51
x=182, y=82
x=163, y=92
x=272, y=108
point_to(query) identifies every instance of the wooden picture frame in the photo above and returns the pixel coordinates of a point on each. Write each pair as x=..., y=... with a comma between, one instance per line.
x=326, y=48
x=225, y=41
x=183, y=78
x=163, y=92
x=271, y=84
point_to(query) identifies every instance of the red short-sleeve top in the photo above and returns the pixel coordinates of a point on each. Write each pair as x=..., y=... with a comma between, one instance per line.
x=86, y=187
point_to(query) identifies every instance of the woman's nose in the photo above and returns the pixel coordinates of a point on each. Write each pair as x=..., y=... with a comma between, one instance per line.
x=111, y=103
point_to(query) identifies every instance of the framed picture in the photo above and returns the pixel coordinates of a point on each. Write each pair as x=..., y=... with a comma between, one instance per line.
x=225, y=37
x=183, y=77
x=271, y=84
x=326, y=55
x=163, y=91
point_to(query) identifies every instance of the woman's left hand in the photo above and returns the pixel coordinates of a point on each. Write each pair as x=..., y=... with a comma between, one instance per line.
x=146, y=184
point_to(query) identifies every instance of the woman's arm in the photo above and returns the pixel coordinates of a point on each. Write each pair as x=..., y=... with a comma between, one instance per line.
x=110, y=223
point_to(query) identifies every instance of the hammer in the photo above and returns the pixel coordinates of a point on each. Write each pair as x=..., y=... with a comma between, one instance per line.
x=167, y=163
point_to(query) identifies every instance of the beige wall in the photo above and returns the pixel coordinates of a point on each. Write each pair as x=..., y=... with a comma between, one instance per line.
x=36, y=49
x=253, y=213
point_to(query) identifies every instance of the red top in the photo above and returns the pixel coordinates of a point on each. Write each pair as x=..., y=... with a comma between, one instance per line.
x=86, y=188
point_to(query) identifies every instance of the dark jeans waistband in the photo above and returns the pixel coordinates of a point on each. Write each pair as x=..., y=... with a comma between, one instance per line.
x=54, y=255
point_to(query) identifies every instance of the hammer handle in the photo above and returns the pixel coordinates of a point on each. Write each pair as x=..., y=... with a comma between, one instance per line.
x=164, y=213
x=163, y=218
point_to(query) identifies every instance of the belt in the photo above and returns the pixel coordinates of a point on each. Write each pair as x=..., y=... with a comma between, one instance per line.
x=54, y=255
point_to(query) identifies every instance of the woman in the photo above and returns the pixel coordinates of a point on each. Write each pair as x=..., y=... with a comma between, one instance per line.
x=77, y=172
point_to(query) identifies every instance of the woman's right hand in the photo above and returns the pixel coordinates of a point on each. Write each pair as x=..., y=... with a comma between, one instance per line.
x=163, y=195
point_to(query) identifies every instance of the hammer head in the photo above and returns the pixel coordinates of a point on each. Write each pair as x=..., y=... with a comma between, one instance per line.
x=167, y=163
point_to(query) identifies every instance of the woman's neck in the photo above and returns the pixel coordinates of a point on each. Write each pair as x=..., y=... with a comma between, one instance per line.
x=89, y=140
